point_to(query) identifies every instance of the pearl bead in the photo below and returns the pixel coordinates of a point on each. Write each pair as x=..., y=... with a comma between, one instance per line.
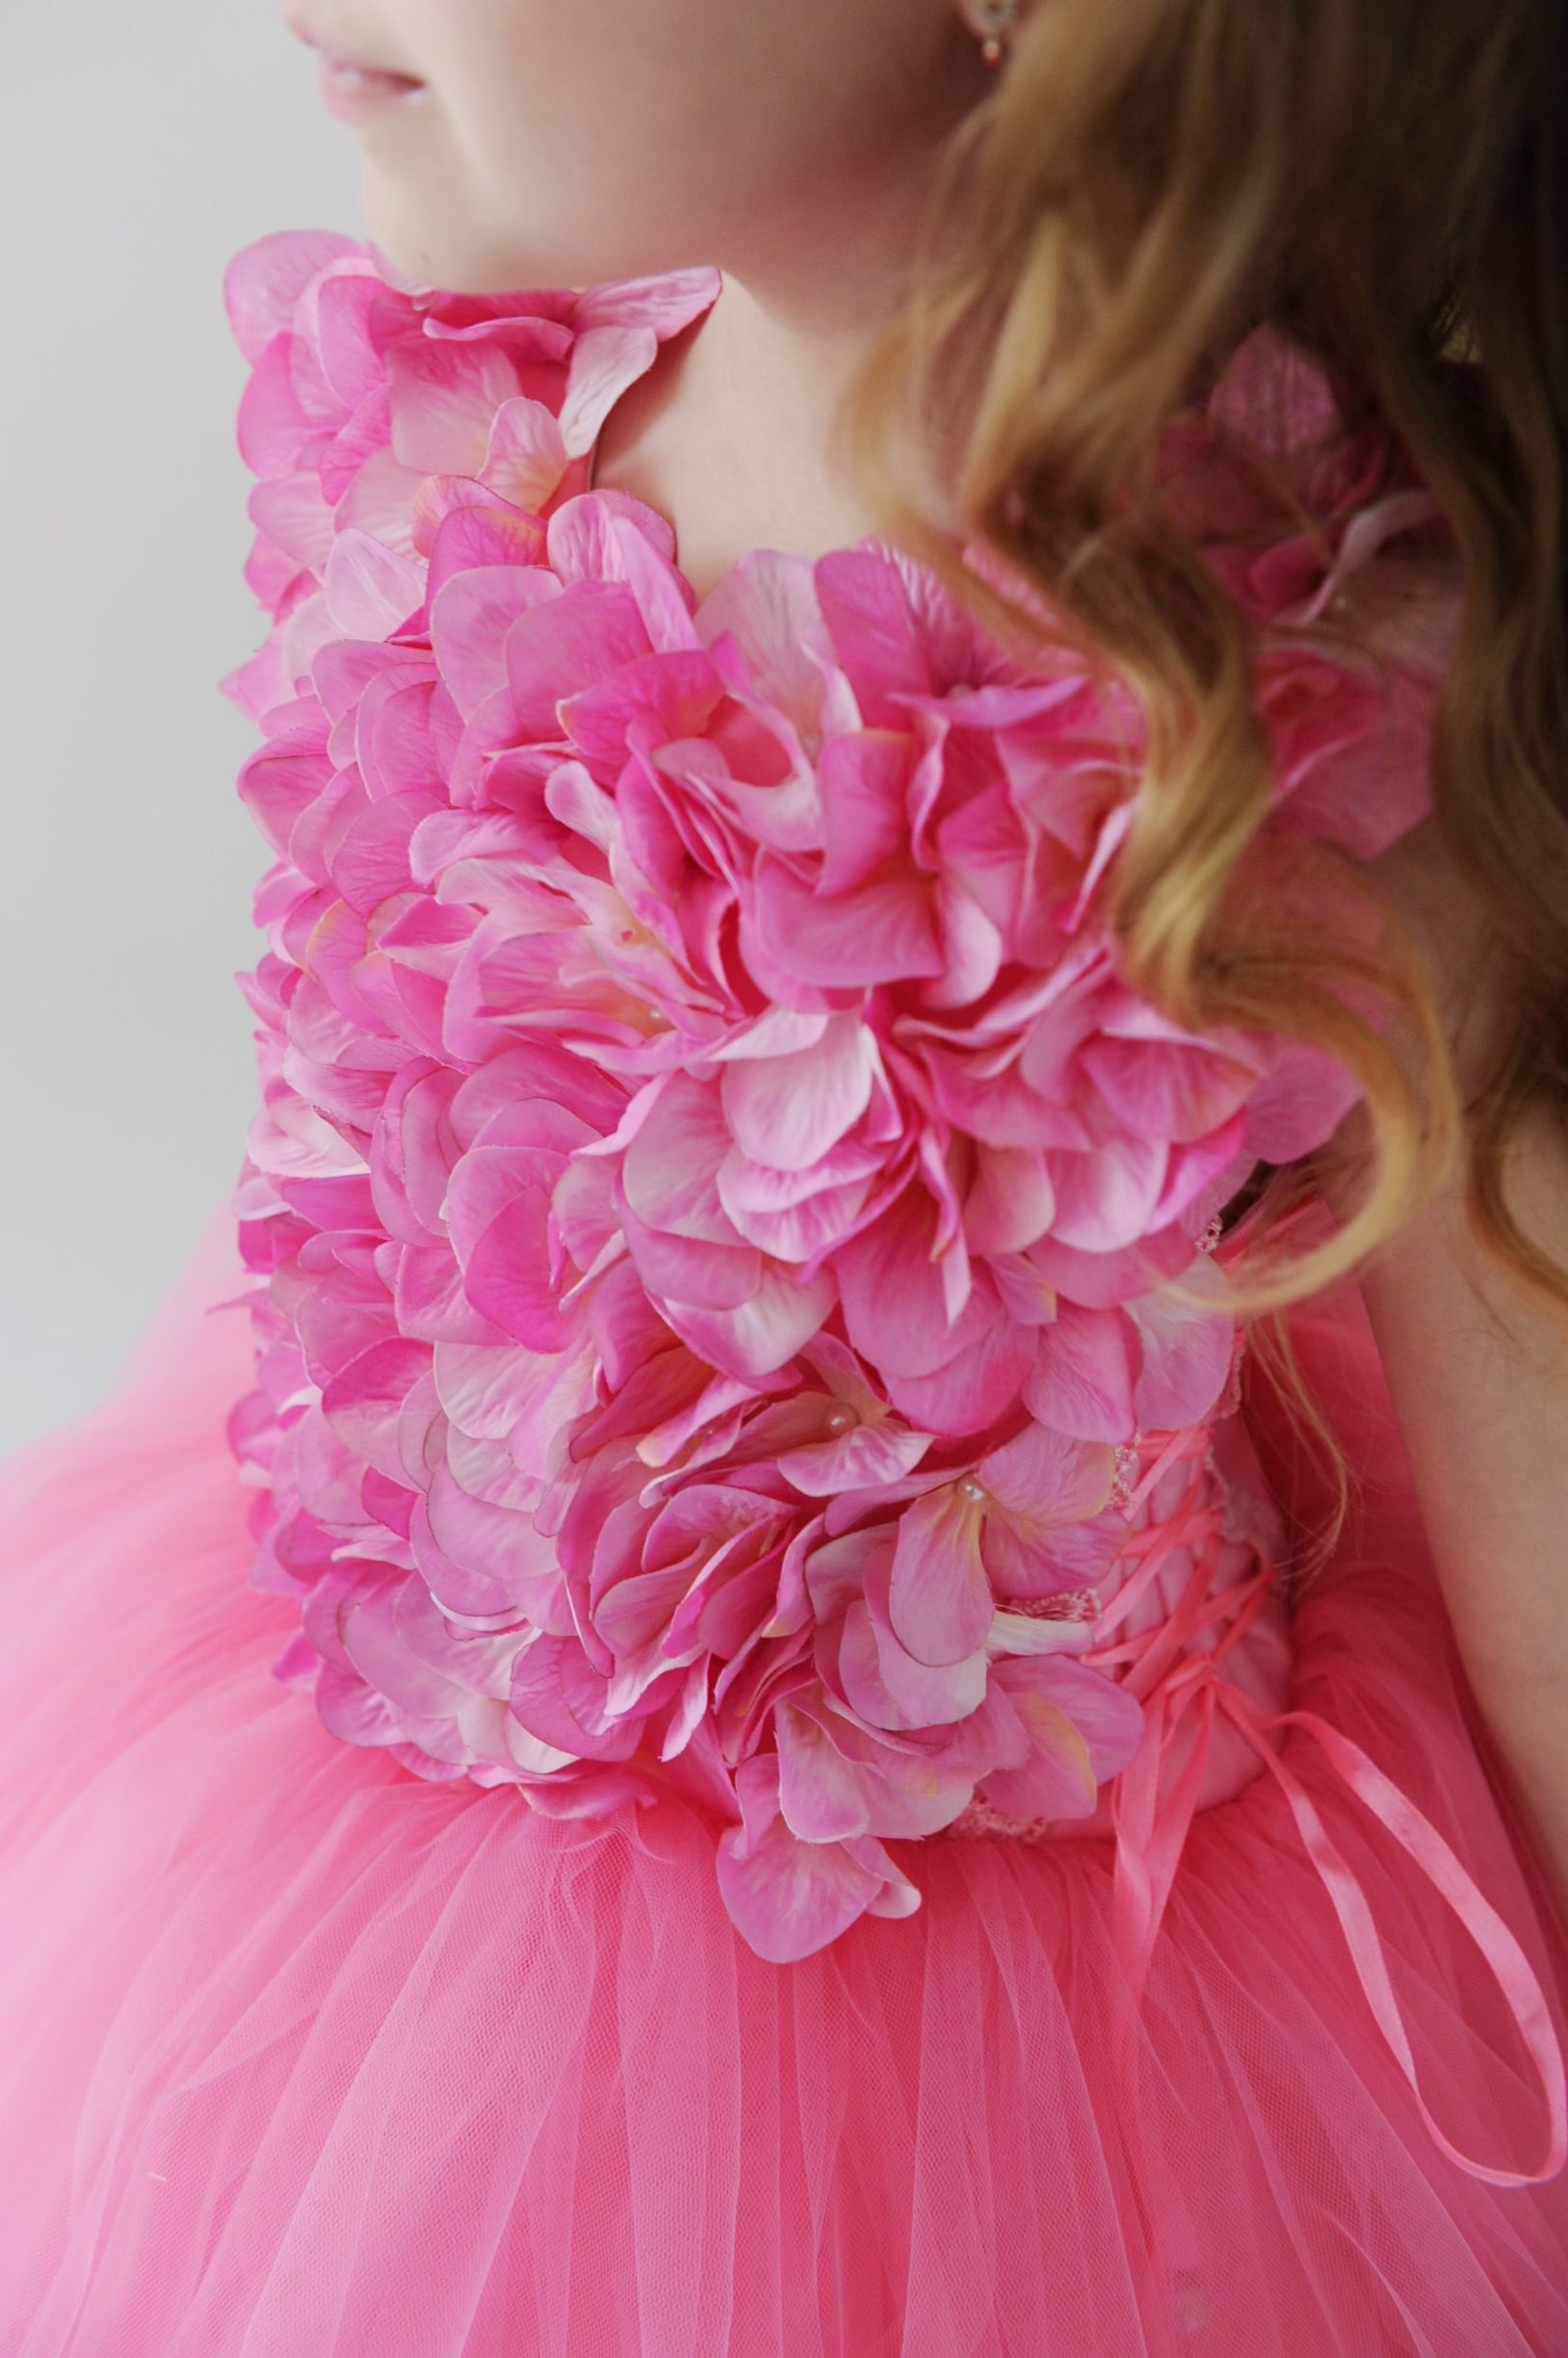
x=840, y=1420
x=971, y=1491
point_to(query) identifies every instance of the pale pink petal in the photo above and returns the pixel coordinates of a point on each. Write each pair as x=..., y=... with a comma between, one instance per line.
x=1083, y=1381
x=1187, y=1350
x=1039, y=1477
x=371, y=589
x=1010, y=1202
x=263, y=284
x=978, y=1385
x=865, y=783
x=526, y=455
x=820, y=1795
x=940, y=1602
x=788, y=1111
x=765, y=1333
x=444, y=397
x=788, y=1898
x=470, y=617
x=1106, y=1199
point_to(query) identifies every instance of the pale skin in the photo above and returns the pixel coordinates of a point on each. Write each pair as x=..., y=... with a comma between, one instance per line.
x=791, y=143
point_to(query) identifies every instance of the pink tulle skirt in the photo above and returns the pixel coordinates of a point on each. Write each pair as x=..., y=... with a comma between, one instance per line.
x=303, y=2057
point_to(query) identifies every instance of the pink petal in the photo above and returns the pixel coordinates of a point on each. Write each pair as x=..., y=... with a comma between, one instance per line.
x=444, y=397
x=1187, y=1352
x=364, y=1401
x=263, y=284
x=1083, y=1381
x=862, y=1457
x=788, y=1898
x=526, y=456
x=371, y=589
x=470, y=617
x=605, y=360
x=788, y=1111
x=1011, y=1201
x=697, y=1274
x=940, y=1602
x=820, y=1795
x=1042, y=1478
x=1166, y=1089
x=1106, y=1199
x=765, y=1333
x=977, y=1385
x=884, y=932
x=864, y=782
x=671, y=1167
x=895, y=1304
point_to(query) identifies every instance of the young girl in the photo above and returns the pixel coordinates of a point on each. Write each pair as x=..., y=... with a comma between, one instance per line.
x=848, y=1632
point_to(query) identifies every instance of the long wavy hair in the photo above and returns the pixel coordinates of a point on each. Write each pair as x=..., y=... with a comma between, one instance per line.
x=1386, y=181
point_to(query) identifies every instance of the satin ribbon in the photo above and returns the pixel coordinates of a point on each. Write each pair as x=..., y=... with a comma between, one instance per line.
x=1151, y=1833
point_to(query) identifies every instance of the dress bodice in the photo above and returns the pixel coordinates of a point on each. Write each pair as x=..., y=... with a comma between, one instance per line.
x=738, y=1303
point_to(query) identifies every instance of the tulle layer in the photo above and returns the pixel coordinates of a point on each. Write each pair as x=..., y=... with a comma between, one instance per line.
x=302, y=2057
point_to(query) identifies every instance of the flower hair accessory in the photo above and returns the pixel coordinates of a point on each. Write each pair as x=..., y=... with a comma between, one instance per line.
x=723, y=1225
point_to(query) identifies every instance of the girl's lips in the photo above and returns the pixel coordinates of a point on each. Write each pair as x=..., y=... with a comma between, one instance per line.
x=350, y=91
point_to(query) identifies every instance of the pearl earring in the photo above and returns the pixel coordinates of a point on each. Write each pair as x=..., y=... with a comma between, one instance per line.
x=993, y=23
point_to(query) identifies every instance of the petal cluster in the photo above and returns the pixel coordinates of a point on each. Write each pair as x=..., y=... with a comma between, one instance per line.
x=722, y=1218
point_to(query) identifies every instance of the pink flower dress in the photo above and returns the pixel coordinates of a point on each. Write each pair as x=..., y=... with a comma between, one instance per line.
x=677, y=1711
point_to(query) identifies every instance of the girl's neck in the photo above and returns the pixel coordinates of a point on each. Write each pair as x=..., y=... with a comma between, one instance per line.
x=730, y=435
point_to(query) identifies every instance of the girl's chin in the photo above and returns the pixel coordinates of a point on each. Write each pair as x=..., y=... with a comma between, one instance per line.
x=423, y=245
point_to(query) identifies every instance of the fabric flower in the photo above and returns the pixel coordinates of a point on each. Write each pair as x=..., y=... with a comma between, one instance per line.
x=720, y=1218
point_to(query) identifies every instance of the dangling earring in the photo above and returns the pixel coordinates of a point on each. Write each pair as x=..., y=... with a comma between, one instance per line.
x=993, y=23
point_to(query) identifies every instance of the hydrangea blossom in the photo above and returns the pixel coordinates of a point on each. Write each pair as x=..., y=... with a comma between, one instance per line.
x=724, y=1224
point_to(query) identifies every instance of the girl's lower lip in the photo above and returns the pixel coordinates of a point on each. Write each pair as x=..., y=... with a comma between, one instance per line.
x=351, y=92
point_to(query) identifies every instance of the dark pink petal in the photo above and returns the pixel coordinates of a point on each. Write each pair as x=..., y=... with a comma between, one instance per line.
x=508, y=1277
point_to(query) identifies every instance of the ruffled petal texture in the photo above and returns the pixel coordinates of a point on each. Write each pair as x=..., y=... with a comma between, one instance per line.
x=728, y=1241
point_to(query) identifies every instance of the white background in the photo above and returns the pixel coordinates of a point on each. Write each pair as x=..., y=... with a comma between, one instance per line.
x=142, y=142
